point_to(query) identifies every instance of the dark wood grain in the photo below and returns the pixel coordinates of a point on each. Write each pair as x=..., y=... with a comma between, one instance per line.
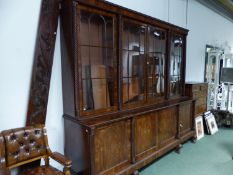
x=43, y=60
x=126, y=137
x=185, y=123
x=112, y=147
x=167, y=125
x=198, y=91
x=146, y=132
x=155, y=134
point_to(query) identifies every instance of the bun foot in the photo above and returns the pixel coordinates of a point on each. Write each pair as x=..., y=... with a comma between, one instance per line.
x=194, y=139
x=177, y=150
x=135, y=173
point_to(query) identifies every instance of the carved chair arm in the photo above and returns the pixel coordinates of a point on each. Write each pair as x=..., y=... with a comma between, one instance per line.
x=61, y=159
x=5, y=171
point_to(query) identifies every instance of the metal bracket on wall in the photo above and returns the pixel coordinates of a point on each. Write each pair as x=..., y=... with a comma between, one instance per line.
x=43, y=61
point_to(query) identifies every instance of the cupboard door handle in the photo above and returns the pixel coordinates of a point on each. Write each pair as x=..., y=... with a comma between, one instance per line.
x=181, y=125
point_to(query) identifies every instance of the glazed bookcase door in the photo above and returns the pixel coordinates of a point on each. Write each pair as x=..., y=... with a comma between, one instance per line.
x=156, y=43
x=143, y=63
x=176, y=65
x=133, y=60
x=97, y=61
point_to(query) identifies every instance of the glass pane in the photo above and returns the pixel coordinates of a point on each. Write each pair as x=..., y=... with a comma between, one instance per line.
x=175, y=65
x=84, y=28
x=98, y=90
x=125, y=38
x=104, y=57
x=142, y=38
x=133, y=63
x=125, y=63
x=88, y=103
x=96, y=94
x=133, y=36
x=156, y=62
x=157, y=40
x=96, y=29
x=133, y=90
x=97, y=54
x=155, y=75
x=153, y=88
x=175, y=85
x=137, y=64
x=85, y=61
x=125, y=92
x=133, y=76
x=100, y=93
x=109, y=33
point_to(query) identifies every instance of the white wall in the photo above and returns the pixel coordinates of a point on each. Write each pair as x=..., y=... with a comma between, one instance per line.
x=206, y=27
x=18, y=27
x=172, y=11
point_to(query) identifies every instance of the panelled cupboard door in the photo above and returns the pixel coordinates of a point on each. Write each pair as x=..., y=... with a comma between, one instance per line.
x=185, y=112
x=167, y=124
x=112, y=147
x=146, y=134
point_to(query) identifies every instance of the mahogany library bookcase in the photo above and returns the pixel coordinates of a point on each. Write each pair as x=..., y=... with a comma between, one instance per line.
x=123, y=76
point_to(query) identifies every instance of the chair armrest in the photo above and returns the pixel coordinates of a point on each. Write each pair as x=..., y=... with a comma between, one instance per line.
x=61, y=159
x=5, y=171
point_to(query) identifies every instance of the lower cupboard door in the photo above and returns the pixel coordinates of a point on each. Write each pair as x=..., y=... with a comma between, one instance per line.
x=112, y=147
x=146, y=135
x=167, y=123
x=185, y=123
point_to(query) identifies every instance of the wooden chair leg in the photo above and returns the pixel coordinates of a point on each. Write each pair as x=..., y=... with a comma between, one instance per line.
x=46, y=161
x=66, y=171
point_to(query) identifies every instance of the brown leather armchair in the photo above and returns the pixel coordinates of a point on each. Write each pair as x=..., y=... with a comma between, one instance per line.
x=21, y=146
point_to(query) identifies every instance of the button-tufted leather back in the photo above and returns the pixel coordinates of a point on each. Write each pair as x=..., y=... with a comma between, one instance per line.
x=2, y=152
x=25, y=143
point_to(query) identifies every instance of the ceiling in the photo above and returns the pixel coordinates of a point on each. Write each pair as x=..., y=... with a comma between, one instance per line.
x=227, y=4
x=223, y=7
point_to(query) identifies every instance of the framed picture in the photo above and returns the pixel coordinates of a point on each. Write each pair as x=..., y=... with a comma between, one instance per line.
x=199, y=127
x=211, y=123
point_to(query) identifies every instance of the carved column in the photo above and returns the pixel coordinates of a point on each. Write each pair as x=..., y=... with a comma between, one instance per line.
x=43, y=60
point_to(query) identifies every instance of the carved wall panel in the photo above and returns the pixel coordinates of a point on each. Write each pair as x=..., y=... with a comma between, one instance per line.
x=43, y=60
